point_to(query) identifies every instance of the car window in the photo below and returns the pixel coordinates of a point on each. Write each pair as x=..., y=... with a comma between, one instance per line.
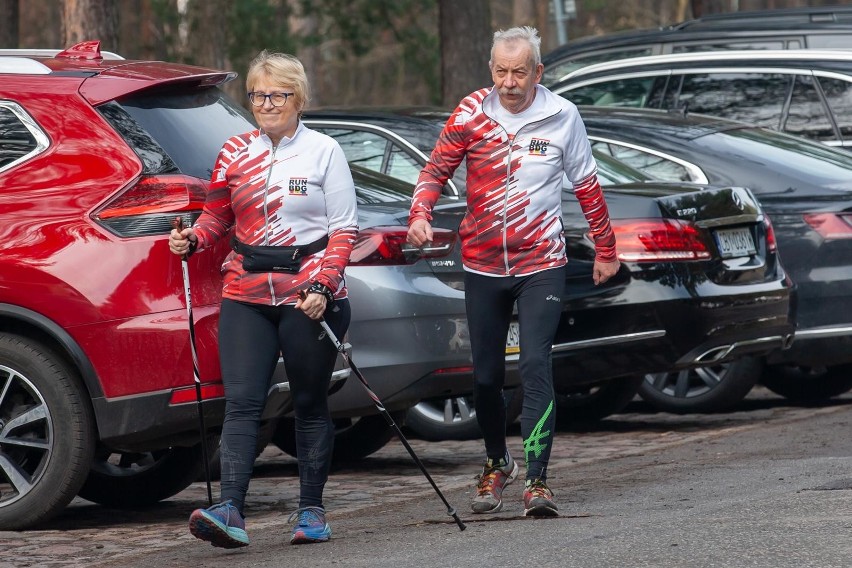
x=18, y=136
x=838, y=94
x=612, y=171
x=402, y=165
x=830, y=41
x=723, y=46
x=807, y=115
x=632, y=92
x=655, y=166
x=180, y=129
x=557, y=70
x=750, y=97
x=362, y=148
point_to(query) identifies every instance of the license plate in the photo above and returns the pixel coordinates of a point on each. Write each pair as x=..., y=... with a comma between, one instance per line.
x=513, y=339
x=735, y=242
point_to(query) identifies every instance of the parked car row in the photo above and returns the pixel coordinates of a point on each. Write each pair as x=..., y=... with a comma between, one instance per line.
x=584, y=384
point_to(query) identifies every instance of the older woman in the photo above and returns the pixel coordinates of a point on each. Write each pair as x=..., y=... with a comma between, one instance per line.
x=288, y=194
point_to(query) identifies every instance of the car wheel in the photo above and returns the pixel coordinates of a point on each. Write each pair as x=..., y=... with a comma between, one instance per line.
x=354, y=438
x=704, y=389
x=594, y=403
x=46, y=433
x=454, y=418
x=135, y=479
x=807, y=384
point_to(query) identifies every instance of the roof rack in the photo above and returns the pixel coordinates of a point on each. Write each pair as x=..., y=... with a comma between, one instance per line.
x=22, y=66
x=48, y=53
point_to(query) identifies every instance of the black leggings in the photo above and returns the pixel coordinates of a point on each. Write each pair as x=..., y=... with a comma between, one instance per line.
x=250, y=339
x=489, y=302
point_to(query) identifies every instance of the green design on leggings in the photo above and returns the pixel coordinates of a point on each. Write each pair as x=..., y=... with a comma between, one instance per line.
x=533, y=443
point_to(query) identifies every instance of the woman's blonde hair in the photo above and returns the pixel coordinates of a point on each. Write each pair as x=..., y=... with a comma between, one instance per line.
x=281, y=68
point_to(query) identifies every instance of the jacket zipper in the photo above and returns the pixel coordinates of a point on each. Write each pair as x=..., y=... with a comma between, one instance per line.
x=266, y=220
x=508, y=173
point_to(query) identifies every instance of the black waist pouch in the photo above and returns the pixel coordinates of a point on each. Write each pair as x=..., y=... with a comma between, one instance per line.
x=276, y=258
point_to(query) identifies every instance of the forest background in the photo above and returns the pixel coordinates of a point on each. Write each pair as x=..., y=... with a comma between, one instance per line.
x=356, y=52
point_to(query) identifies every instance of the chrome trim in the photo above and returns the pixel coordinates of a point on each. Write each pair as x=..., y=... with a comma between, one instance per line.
x=379, y=129
x=696, y=173
x=336, y=376
x=822, y=332
x=723, y=351
x=599, y=342
x=41, y=139
x=709, y=56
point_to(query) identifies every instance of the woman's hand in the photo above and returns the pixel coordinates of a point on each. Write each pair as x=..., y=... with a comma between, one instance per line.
x=313, y=304
x=180, y=241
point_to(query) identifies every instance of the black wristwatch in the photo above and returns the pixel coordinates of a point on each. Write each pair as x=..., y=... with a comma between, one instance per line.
x=318, y=288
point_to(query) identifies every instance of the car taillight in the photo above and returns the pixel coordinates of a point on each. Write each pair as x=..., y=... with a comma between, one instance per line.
x=383, y=246
x=831, y=226
x=771, y=244
x=147, y=207
x=650, y=240
x=182, y=396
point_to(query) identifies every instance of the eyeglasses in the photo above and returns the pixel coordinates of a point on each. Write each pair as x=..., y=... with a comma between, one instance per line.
x=277, y=99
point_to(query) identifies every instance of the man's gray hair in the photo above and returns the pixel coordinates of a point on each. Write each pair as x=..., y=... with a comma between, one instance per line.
x=521, y=33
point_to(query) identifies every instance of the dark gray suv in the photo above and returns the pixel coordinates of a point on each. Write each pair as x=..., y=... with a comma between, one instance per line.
x=828, y=27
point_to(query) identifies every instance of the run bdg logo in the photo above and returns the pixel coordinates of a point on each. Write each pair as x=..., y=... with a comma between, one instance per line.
x=538, y=147
x=298, y=186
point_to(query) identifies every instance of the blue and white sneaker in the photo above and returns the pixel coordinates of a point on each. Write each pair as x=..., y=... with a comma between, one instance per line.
x=221, y=525
x=311, y=526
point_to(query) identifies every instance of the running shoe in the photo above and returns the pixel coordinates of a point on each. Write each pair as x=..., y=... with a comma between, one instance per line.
x=538, y=500
x=310, y=527
x=489, y=490
x=221, y=525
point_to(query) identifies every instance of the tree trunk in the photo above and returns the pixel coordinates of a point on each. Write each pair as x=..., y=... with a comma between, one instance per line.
x=9, y=16
x=465, y=34
x=84, y=20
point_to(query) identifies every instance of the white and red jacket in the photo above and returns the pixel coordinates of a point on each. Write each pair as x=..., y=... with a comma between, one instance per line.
x=513, y=223
x=293, y=194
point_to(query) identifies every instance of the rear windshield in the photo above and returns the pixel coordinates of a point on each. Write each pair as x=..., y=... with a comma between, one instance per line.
x=178, y=130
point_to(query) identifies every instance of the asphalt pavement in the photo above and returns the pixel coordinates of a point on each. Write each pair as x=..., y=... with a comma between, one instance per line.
x=768, y=485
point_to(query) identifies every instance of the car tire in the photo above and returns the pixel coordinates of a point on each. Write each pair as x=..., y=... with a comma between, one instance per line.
x=126, y=480
x=806, y=384
x=454, y=418
x=596, y=403
x=354, y=438
x=713, y=388
x=42, y=402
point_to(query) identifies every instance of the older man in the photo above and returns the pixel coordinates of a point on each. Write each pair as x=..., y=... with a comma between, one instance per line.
x=519, y=140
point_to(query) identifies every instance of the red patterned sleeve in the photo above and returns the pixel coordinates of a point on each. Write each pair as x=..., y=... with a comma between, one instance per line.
x=448, y=153
x=340, y=243
x=217, y=217
x=591, y=198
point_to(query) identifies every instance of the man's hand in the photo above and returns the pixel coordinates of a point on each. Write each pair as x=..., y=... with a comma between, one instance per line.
x=603, y=271
x=420, y=233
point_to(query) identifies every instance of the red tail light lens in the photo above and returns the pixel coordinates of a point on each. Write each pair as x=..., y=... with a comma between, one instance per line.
x=652, y=240
x=386, y=246
x=147, y=207
x=830, y=226
x=183, y=396
x=771, y=244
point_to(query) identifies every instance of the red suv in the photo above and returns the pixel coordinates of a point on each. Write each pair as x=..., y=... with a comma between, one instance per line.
x=97, y=398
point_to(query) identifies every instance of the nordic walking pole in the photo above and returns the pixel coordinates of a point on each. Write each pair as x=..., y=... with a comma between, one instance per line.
x=342, y=350
x=177, y=223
